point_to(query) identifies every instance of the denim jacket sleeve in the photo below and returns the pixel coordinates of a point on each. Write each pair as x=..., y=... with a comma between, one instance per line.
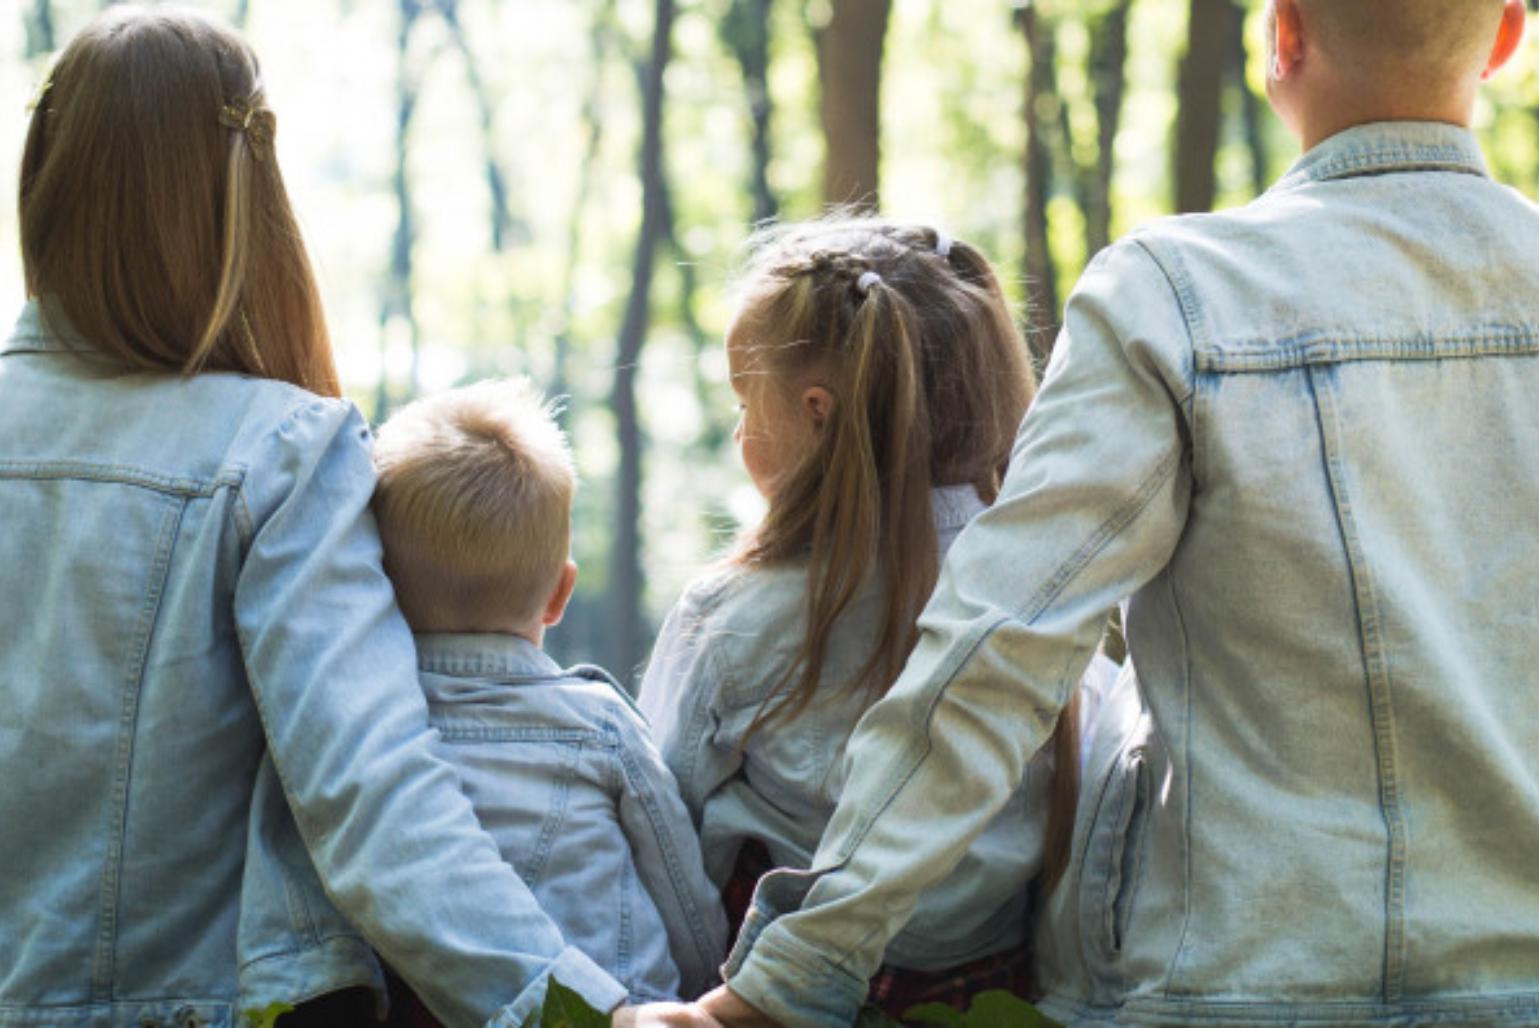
x=1092, y=507
x=667, y=853
x=332, y=670
x=678, y=695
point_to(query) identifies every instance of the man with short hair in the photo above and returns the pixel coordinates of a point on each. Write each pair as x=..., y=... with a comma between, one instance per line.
x=1303, y=438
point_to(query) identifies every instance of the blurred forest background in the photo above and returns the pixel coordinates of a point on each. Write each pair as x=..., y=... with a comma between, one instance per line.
x=559, y=187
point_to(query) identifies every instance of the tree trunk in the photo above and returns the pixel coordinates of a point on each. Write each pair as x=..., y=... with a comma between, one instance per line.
x=593, y=124
x=398, y=284
x=39, y=29
x=746, y=30
x=1210, y=34
x=1253, y=113
x=1040, y=106
x=1108, y=77
x=850, y=73
x=503, y=225
x=626, y=582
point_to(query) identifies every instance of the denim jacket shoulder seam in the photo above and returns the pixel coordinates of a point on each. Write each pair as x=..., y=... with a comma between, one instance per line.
x=1173, y=269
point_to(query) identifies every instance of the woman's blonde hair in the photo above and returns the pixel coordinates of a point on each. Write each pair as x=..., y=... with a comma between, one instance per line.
x=912, y=334
x=154, y=219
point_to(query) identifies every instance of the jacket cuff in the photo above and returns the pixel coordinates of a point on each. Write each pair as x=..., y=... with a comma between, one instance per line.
x=337, y=963
x=573, y=969
x=782, y=976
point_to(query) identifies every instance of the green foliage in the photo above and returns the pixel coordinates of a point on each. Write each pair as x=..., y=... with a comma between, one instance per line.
x=993, y=1009
x=268, y=1016
x=564, y=1008
x=873, y=1017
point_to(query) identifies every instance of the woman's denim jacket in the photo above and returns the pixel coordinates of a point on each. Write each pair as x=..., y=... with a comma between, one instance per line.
x=562, y=771
x=1303, y=436
x=197, y=639
x=726, y=649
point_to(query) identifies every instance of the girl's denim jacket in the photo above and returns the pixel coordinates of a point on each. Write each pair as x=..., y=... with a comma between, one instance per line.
x=724, y=650
x=207, y=697
x=1303, y=436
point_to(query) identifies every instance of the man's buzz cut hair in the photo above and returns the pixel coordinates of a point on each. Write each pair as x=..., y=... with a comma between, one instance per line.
x=474, y=504
x=1433, y=37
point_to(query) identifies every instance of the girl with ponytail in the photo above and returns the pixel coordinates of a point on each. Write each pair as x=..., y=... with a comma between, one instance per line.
x=880, y=378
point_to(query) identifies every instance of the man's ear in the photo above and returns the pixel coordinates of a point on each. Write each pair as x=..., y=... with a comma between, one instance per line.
x=1288, y=39
x=818, y=403
x=562, y=595
x=1507, y=37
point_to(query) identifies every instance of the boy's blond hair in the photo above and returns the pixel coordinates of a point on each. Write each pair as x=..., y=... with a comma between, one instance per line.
x=474, y=505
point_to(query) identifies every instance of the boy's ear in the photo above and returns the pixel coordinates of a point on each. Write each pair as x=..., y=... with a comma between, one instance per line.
x=1507, y=37
x=556, y=607
x=818, y=403
x=1288, y=39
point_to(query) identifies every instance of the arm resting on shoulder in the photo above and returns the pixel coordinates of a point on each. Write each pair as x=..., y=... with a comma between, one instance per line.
x=332, y=669
x=1092, y=507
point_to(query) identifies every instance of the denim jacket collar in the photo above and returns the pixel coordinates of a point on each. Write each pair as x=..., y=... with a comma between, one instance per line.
x=483, y=655
x=1388, y=146
x=31, y=335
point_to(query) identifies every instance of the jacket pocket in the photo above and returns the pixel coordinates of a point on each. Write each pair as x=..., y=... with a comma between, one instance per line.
x=1114, y=859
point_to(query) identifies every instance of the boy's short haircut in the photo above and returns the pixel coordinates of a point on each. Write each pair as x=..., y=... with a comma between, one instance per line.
x=1429, y=36
x=474, y=506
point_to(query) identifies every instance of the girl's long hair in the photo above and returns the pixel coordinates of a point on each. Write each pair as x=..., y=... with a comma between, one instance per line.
x=930, y=376
x=154, y=220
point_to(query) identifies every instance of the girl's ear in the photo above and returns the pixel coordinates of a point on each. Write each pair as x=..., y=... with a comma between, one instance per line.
x=818, y=404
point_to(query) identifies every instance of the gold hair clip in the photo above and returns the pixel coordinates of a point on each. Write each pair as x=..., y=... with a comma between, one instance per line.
x=41, y=92
x=254, y=121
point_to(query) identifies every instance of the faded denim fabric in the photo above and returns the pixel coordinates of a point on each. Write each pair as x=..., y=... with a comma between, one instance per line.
x=561, y=769
x=726, y=648
x=200, y=656
x=1303, y=437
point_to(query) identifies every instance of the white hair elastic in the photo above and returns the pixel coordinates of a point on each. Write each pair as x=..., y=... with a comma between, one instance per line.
x=942, y=245
x=867, y=280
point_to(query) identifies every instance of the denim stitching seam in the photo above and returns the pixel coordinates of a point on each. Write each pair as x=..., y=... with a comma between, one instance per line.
x=1381, y=708
x=128, y=721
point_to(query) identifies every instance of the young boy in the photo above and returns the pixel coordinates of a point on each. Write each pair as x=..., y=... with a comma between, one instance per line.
x=1303, y=437
x=474, y=505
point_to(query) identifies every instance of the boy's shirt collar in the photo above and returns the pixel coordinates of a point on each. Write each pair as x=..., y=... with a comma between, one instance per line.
x=1388, y=146
x=483, y=655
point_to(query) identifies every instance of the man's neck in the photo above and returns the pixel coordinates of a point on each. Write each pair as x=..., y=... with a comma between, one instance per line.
x=1326, y=117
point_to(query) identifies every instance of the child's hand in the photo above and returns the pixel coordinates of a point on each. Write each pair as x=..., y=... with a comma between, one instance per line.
x=732, y=1011
x=664, y=1015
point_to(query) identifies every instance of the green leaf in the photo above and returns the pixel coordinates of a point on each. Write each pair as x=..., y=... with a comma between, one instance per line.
x=268, y=1016
x=1000, y=1009
x=566, y=1009
x=873, y=1017
x=937, y=1014
x=993, y=1009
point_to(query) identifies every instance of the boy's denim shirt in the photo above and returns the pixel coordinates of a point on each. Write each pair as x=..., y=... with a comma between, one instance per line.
x=561, y=769
x=201, y=663
x=1303, y=437
x=726, y=648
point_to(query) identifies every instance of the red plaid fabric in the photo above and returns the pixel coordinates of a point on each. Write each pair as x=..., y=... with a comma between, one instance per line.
x=895, y=990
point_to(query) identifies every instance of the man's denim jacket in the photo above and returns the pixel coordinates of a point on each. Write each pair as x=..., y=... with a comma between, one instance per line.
x=725, y=649
x=561, y=769
x=1303, y=437
x=200, y=654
